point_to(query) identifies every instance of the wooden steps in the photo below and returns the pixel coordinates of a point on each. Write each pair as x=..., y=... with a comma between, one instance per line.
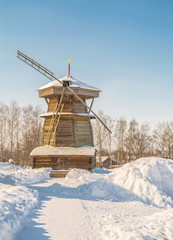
x=59, y=173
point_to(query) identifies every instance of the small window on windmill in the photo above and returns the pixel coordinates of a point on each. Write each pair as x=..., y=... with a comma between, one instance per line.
x=66, y=81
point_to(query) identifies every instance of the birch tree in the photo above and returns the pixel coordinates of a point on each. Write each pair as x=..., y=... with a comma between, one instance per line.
x=142, y=141
x=31, y=130
x=102, y=138
x=120, y=135
x=163, y=136
x=13, y=120
x=3, y=128
x=130, y=140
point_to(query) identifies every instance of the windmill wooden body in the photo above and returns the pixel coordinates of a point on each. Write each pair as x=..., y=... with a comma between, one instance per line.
x=72, y=127
x=67, y=134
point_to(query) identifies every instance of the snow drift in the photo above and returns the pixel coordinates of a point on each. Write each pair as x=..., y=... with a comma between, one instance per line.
x=15, y=204
x=17, y=175
x=77, y=177
x=147, y=179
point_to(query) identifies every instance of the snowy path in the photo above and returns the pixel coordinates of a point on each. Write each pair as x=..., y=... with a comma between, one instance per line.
x=57, y=218
x=54, y=216
x=78, y=219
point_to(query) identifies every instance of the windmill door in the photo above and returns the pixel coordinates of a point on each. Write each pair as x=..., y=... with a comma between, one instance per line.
x=60, y=164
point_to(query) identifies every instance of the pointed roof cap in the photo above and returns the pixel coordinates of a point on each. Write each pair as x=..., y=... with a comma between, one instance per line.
x=73, y=83
x=54, y=88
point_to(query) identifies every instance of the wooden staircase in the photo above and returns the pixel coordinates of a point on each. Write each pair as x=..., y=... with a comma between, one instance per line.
x=59, y=173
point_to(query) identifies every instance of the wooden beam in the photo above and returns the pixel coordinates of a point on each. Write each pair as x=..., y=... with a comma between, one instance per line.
x=46, y=101
x=91, y=105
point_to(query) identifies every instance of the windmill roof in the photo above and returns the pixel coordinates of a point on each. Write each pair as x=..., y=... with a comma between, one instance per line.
x=63, y=151
x=72, y=83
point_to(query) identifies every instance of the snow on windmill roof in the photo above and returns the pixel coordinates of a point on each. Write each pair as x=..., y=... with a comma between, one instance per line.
x=72, y=83
x=47, y=114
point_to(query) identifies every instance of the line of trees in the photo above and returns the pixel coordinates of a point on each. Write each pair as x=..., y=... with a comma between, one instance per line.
x=21, y=130
x=131, y=140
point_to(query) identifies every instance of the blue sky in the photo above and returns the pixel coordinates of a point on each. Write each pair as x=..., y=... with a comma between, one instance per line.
x=123, y=47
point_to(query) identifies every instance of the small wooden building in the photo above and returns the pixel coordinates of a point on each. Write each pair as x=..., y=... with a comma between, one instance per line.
x=110, y=162
x=63, y=158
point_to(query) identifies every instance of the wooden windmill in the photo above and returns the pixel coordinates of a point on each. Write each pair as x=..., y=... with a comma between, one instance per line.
x=67, y=134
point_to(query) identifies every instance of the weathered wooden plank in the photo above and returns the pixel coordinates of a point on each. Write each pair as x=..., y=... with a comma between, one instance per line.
x=42, y=165
x=78, y=163
x=59, y=174
x=44, y=158
x=78, y=158
x=45, y=92
x=54, y=91
x=42, y=161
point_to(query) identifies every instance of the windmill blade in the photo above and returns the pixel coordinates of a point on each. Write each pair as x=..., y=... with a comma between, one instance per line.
x=47, y=73
x=24, y=57
x=32, y=63
x=97, y=117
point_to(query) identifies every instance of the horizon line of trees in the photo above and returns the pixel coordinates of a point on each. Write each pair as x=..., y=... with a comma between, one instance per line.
x=21, y=130
x=131, y=140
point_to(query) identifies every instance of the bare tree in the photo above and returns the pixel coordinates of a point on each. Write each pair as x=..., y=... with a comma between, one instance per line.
x=130, y=140
x=163, y=136
x=138, y=140
x=31, y=131
x=102, y=138
x=13, y=120
x=3, y=129
x=120, y=135
x=143, y=138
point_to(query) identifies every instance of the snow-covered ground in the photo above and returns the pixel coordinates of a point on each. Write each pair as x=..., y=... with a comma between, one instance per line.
x=16, y=199
x=133, y=202
x=16, y=175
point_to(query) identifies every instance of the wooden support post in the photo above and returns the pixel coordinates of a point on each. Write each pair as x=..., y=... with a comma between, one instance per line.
x=91, y=105
x=1, y=154
x=100, y=150
x=33, y=166
x=110, y=145
x=46, y=101
x=56, y=126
